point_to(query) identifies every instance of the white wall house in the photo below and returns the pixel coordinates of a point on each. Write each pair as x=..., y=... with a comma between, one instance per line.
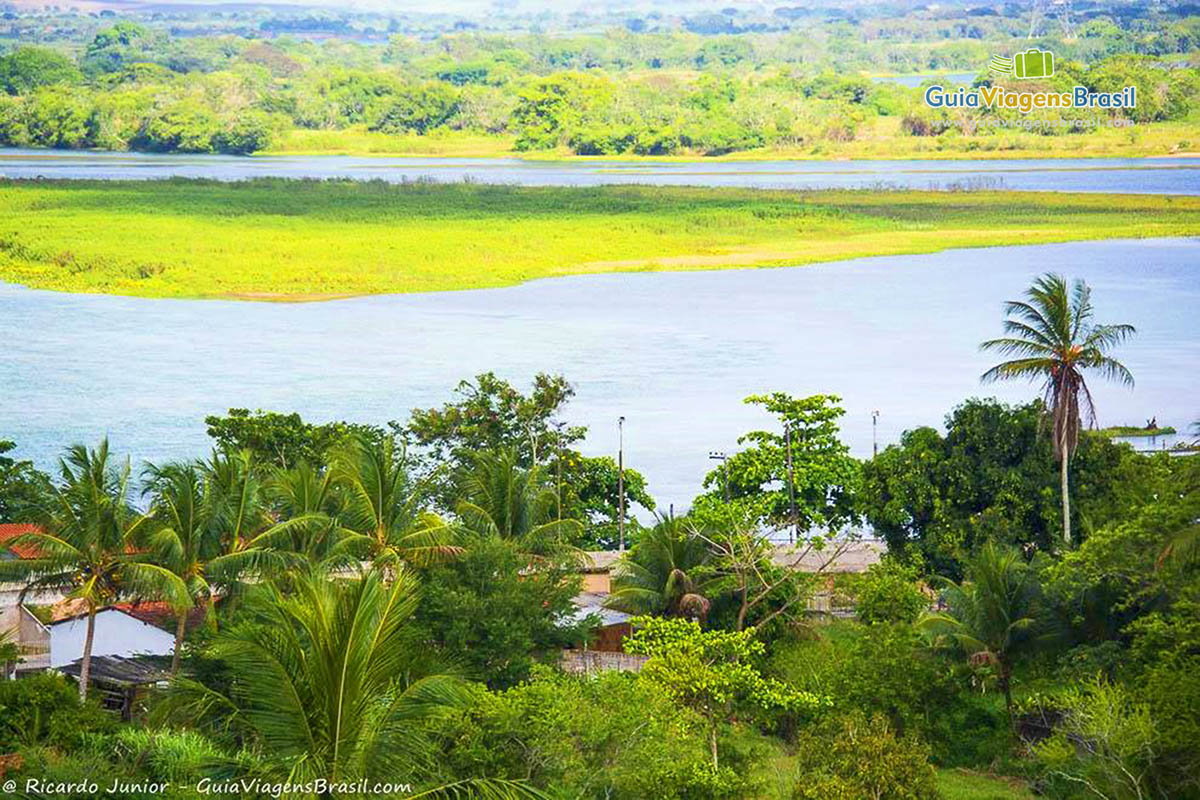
x=117, y=634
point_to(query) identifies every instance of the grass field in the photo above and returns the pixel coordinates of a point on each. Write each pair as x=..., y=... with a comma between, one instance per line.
x=273, y=239
x=958, y=784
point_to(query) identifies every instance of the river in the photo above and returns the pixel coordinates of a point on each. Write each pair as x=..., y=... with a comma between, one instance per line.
x=675, y=353
x=1139, y=175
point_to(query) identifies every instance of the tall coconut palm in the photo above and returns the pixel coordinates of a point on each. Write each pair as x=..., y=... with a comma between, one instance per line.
x=87, y=543
x=502, y=498
x=993, y=615
x=382, y=514
x=664, y=573
x=330, y=683
x=1054, y=340
x=189, y=535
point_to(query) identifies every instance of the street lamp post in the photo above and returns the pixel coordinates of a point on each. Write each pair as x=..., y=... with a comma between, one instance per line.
x=874, y=433
x=621, y=483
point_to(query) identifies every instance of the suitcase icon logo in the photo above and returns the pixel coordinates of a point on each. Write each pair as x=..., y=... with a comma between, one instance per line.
x=1033, y=63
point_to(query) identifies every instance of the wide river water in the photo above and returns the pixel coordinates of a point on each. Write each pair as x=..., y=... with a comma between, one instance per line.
x=675, y=353
x=1140, y=175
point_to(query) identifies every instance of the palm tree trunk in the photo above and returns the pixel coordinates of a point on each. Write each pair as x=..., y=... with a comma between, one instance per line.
x=1066, y=496
x=85, y=665
x=180, y=630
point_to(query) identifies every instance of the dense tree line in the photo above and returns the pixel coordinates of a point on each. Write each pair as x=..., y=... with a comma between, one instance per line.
x=135, y=87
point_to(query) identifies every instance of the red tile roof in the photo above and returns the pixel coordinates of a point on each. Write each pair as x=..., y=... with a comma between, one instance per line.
x=11, y=530
x=160, y=614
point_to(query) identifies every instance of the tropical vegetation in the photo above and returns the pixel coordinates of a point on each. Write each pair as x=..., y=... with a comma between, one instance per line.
x=284, y=240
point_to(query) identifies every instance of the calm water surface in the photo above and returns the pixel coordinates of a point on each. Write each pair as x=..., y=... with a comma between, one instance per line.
x=673, y=352
x=1140, y=175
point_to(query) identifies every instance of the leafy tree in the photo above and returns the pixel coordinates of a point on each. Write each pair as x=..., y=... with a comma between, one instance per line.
x=490, y=414
x=1055, y=341
x=822, y=480
x=991, y=477
x=993, y=617
x=281, y=439
x=419, y=110
x=609, y=735
x=714, y=673
x=664, y=573
x=495, y=614
x=249, y=132
x=329, y=684
x=22, y=486
x=28, y=68
x=86, y=543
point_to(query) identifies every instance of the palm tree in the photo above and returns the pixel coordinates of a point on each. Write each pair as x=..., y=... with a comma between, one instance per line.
x=188, y=536
x=330, y=682
x=992, y=615
x=663, y=573
x=382, y=514
x=86, y=544
x=502, y=498
x=1054, y=340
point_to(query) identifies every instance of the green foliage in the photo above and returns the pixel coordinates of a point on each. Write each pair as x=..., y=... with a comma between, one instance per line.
x=490, y=415
x=889, y=592
x=664, y=573
x=420, y=110
x=22, y=487
x=45, y=709
x=1106, y=743
x=281, y=439
x=28, y=68
x=323, y=239
x=609, y=736
x=823, y=477
x=995, y=616
x=852, y=756
x=486, y=611
x=714, y=673
x=888, y=670
x=991, y=478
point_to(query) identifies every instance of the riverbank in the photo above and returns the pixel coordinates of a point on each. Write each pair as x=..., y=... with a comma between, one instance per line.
x=280, y=240
x=881, y=139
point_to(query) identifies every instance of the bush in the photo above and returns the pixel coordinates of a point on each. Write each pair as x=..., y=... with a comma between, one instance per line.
x=44, y=709
x=888, y=592
x=853, y=756
x=611, y=737
x=889, y=671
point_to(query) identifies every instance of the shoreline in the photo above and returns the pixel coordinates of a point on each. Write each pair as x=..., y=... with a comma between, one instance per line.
x=335, y=297
x=550, y=157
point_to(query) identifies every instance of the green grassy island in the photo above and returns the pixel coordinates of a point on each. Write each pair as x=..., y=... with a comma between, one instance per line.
x=275, y=239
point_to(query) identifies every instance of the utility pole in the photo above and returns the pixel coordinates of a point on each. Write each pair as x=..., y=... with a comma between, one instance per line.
x=874, y=433
x=795, y=534
x=621, y=483
x=558, y=426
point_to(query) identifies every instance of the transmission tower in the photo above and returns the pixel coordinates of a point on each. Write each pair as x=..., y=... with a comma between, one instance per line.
x=1045, y=9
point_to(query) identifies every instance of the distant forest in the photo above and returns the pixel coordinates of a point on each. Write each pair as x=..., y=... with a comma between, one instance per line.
x=651, y=83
